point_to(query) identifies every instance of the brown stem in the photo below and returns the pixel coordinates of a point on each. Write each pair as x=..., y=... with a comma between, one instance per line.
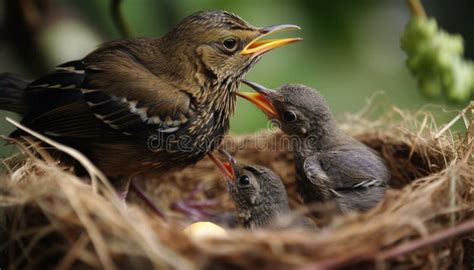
x=119, y=20
x=417, y=8
x=400, y=250
x=456, y=231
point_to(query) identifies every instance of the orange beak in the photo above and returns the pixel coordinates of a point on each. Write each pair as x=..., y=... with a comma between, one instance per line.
x=260, y=98
x=258, y=46
x=225, y=167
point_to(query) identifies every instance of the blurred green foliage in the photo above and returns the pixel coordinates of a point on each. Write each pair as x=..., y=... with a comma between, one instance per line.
x=435, y=57
x=351, y=49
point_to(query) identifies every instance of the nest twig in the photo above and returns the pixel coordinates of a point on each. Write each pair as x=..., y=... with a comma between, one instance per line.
x=425, y=221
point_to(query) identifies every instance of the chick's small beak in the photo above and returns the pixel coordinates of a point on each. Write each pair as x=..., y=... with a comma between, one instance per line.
x=260, y=99
x=258, y=46
x=229, y=169
x=225, y=167
x=231, y=164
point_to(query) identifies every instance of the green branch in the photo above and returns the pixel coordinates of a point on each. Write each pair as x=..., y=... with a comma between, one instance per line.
x=119, y=20
x=417, y=8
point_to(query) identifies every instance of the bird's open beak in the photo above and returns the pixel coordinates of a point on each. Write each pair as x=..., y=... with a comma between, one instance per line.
x=260, y=99
x=231, y=164
x=227, y=168
x=258, y=46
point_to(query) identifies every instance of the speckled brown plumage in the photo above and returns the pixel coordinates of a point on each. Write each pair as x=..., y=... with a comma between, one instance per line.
x=145, y=104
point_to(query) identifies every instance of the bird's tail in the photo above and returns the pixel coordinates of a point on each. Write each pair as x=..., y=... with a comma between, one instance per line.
x=11, y=93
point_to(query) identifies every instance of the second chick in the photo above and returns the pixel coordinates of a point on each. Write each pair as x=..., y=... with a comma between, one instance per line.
x=260, y=197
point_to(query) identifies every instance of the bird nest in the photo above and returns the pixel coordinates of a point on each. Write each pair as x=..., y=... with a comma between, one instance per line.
x=50, y=218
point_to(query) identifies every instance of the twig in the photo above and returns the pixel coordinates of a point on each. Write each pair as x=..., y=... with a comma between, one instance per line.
x=454, y=120
x=72, y=254
x=36, y=146
x=418, y=136
x=400, y=250
x=23, y=148
x=417, y=8
x=458, y=230
x=93, y=171
x=92, y=228
x=452, y=196
x=119, y=19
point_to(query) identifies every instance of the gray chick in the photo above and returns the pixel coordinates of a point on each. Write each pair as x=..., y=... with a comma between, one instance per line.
x=260, y=197
x=331, y=166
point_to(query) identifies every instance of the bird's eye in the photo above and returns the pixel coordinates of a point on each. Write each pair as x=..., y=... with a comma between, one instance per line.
x=289, y=116
x=230, y=44
x=244, y=180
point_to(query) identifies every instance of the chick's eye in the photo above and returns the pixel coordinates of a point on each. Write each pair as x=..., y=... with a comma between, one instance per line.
x=244, y=180
x=230, y=43
x=289, y=116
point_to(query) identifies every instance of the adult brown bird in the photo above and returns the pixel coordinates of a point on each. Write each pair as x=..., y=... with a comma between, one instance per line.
x=146, y=104
x=330, y=165
x=260, y=197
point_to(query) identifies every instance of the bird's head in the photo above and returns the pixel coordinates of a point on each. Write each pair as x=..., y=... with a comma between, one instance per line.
x=300, y=110
x=252, y=187
x=223, y=43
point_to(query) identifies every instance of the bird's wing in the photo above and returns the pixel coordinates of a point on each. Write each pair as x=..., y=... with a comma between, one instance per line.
x=56, y=105
x=82, y=100
x=319, y=181
x=124, y=80
x=353, y=169
x=313, y=170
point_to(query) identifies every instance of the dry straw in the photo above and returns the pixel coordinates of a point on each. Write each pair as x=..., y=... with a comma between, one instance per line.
x=52, y=219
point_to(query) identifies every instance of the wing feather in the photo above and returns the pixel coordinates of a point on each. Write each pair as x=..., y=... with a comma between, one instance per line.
x=354, y=169
x=103, y=95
